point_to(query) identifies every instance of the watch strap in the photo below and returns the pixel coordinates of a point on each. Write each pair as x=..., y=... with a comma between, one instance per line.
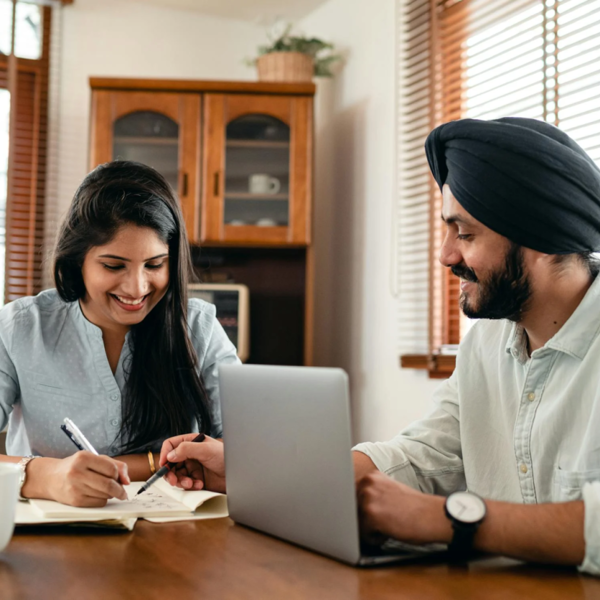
x=461, y=545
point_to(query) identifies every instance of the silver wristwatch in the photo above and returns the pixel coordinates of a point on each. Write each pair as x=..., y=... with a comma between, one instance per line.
x=22, y=464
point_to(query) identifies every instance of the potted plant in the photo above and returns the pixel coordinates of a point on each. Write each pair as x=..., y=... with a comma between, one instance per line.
x=294, y=58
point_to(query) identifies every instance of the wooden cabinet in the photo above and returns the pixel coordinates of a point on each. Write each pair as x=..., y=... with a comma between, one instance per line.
x=239, y=155
x=257, y=163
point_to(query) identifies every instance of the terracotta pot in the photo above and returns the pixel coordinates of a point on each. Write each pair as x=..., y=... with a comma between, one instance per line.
x=285, y=66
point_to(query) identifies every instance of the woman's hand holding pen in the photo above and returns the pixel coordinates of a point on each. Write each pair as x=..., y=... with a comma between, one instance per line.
x=198, y=465
x=82, y=479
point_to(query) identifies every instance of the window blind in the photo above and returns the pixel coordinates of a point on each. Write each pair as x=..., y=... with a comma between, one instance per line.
x=486, y=59
x=414, y=181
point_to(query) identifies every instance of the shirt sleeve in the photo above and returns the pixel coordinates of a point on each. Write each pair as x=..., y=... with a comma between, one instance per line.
x=591, y=500
x=426, y=455
x=219, y=350
x=9, y=386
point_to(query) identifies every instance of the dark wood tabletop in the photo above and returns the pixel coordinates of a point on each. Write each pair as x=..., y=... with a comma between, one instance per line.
x=221, y=560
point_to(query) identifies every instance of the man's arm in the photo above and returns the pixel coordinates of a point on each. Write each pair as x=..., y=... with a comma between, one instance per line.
x=552, y=533
x=426, y=455
x=363, y=465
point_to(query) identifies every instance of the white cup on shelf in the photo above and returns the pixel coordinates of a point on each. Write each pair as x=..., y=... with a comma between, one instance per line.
x=261, y=183
x=9, y=496
x=266, y=222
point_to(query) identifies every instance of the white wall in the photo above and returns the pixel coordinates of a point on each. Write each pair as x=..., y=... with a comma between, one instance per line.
x=356, y=312
x=131, y=39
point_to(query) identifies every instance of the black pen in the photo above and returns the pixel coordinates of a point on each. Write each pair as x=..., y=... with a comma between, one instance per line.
x=165, y=468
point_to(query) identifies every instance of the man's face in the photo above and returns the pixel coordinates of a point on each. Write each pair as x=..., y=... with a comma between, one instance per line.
x=494, y=279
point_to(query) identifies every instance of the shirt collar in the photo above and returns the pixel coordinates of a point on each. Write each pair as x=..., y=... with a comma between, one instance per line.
x=574, y=338
x=88, y=325
x=83, y=321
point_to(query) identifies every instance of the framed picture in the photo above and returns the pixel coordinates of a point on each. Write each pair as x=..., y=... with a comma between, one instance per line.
x=233, y=310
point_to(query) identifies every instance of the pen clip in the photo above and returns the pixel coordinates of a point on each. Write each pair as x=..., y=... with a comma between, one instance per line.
x=72, y=437
x=79, y=437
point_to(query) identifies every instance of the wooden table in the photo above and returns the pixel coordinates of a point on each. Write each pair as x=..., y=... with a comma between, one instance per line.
x=220, y=560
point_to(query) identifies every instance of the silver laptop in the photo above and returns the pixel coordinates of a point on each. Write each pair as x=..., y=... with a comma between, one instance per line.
x=288, y=462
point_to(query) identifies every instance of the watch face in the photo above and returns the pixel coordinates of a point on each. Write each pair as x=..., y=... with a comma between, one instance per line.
x=465, y=507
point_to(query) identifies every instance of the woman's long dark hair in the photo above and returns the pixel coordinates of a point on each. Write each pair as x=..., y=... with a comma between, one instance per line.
x=165, y=395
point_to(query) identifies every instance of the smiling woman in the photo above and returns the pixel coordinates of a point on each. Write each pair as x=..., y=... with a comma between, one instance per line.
x=117, y=346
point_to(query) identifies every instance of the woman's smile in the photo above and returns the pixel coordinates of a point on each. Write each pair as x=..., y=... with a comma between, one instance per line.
x=130, y=303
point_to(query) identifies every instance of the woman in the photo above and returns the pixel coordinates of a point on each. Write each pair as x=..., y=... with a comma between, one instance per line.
x=117, y=347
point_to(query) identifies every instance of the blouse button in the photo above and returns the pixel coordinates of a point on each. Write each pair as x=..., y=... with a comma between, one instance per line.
x=114, y=397
x=114, y=422
x=523, y=468
x=531, y=396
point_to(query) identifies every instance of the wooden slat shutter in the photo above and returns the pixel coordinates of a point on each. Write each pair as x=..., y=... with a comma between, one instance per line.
x=27, y=171
x=414, y=179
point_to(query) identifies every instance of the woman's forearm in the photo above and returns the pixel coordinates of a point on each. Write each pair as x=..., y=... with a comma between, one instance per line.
x=138, y=465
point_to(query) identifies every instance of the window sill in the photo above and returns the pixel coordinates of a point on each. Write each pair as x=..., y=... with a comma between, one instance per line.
x=438, y=366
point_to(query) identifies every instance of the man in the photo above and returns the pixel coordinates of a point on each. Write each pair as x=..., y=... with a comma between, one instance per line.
x=518, y=423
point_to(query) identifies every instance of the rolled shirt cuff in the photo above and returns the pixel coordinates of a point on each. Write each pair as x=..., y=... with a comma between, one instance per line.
x=390, y=460
x=591, y=501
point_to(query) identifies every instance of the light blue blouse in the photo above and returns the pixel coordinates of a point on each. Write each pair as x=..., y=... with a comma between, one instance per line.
x=53, y=365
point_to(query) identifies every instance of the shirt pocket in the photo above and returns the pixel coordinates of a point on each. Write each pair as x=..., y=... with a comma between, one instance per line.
x=68, y=395
x=45, y=390
x=567, y=485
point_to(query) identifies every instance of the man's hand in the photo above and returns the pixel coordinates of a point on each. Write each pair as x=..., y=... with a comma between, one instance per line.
x=200, y=465
x=82, y=479
x=390, y=509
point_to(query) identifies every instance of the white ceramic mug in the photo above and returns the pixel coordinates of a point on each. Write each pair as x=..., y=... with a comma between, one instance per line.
x=260, y=183
x=9, y=495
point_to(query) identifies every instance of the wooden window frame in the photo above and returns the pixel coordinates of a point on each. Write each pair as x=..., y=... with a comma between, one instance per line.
x=444, y=311
x=28, y=83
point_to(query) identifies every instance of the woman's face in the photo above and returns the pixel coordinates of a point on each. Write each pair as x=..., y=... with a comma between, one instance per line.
x=126, y=278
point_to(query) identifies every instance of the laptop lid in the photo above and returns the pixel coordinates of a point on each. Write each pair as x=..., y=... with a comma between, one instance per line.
x=288, y=455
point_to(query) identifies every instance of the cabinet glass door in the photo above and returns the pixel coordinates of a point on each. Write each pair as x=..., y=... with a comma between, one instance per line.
x=256, y=169
x=257, y=172
x=150, y=138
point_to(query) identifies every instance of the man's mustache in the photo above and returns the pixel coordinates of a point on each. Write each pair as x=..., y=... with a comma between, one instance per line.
x=464, y=272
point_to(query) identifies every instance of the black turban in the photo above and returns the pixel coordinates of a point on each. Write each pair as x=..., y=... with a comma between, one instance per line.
x=522, y=178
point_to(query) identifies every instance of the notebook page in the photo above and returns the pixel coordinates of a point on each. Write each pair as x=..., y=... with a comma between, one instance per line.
x=155, y=502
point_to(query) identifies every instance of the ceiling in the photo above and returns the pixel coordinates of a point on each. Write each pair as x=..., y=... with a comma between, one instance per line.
x=261, y=12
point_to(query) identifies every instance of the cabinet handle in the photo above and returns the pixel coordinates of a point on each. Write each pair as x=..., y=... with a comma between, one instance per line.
x=184, y=184
x=216, y=184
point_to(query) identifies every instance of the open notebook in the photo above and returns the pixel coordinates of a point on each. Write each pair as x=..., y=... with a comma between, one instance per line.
x=161, y=503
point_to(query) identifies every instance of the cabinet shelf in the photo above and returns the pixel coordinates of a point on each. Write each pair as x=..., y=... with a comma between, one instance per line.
x=257, y=144
x=143, y=139
x=248, y=196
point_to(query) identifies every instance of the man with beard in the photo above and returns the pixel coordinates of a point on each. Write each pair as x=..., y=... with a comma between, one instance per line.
x=508, y=461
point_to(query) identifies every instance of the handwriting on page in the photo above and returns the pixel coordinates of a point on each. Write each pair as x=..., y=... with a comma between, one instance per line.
x=152, y=500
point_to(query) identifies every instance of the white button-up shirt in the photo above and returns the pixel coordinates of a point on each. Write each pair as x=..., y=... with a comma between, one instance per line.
x=513, y=427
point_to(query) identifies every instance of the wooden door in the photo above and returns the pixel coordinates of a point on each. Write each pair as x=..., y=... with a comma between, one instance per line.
x=257, y=170
x=160, y=129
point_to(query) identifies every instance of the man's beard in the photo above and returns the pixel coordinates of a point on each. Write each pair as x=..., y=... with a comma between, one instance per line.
x=504, y=294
